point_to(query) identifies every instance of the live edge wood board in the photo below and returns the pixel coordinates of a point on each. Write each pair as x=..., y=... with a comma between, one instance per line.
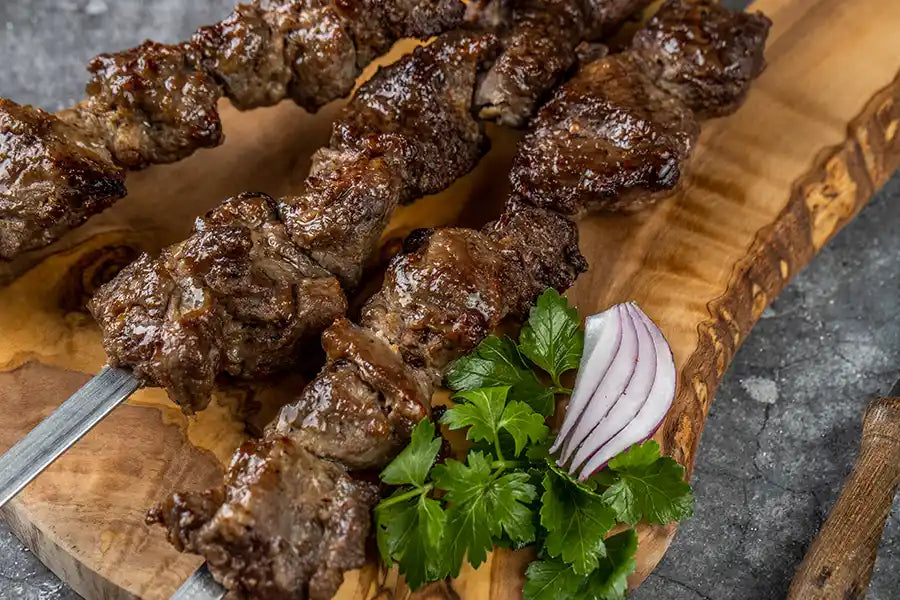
x=768, y=187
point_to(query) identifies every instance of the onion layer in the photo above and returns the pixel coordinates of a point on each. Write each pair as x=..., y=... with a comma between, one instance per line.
x=624, y=388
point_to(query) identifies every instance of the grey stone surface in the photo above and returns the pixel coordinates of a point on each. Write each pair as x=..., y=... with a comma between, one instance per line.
x=782, y=432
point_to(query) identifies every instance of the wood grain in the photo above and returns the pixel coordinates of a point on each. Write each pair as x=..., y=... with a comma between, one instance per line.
x=769, y=186
x=839, y=563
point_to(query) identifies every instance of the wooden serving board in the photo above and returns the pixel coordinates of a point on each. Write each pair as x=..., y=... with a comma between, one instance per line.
x=769, y=186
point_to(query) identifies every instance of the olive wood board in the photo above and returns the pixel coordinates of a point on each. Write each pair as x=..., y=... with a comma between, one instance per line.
x=767, y=188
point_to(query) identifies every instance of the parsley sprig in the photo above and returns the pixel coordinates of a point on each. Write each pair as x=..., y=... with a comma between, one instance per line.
x=508, y=491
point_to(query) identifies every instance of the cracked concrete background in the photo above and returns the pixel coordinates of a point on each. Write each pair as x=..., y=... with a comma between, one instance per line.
x=783, y=430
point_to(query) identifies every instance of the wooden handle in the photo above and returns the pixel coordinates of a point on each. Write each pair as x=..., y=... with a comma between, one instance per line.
x=839, y=562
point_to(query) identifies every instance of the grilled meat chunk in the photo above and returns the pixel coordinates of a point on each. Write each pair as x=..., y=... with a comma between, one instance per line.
x=52, y=177
x=285, y=525
x=308, y=55
x=345, y=204
x=150, y=104
x=236, y=298
x=246, y=54
x=280, y=531
x=618, y=135
x=699, y=52
x=540, y=48
x=341, y=416
x=408, y=132
x=439, y=300
x=609, y=139
x=156, y=103
x=371, y=400
x=417, y=113
x=377, y=24
x=544, y=246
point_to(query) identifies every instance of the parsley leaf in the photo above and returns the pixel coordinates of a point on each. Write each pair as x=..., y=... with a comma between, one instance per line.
x=639, y=455
x=496, y=362
x=481, y=413
x=393, y=525
x=461, y=481
x=551, y=580
x=482, y=507
x=412, y=465
x=509, y=497
x=540, y=453
x=468, y=532
x=576, y=520
x=610, y=580
x=408, y=525
x=410, y=532
x=430, y=524
x=523, y=424
x=556, y=580
x=589, y=485
x=551, y=338
x=485, y=413
x=644, y=485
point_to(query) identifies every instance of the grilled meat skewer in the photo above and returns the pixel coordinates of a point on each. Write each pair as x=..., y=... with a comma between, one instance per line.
x=254, y=280
x=156, y=103
x=292, y=515
x=618, y=135
x=293, y=512
x=258, y=277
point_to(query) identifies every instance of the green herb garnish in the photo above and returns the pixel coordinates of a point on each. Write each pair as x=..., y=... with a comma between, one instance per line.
x=509, y=491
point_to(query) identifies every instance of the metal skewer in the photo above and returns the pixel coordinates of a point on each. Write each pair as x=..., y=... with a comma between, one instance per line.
x=65, y=426
x=200, y=586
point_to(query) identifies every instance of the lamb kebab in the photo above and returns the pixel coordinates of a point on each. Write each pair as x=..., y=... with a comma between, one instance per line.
x=258, y=277
x=156, y=103
x=294, y=511
x=243, y=297
x=293, y=515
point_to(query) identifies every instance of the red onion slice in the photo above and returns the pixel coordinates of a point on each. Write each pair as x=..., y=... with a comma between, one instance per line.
x=603, y=429
x=630, y=401
x=603, y=330
x=611, y=387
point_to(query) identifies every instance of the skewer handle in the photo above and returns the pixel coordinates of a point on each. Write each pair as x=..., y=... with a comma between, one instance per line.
x=839, y=562
x=65, y=426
